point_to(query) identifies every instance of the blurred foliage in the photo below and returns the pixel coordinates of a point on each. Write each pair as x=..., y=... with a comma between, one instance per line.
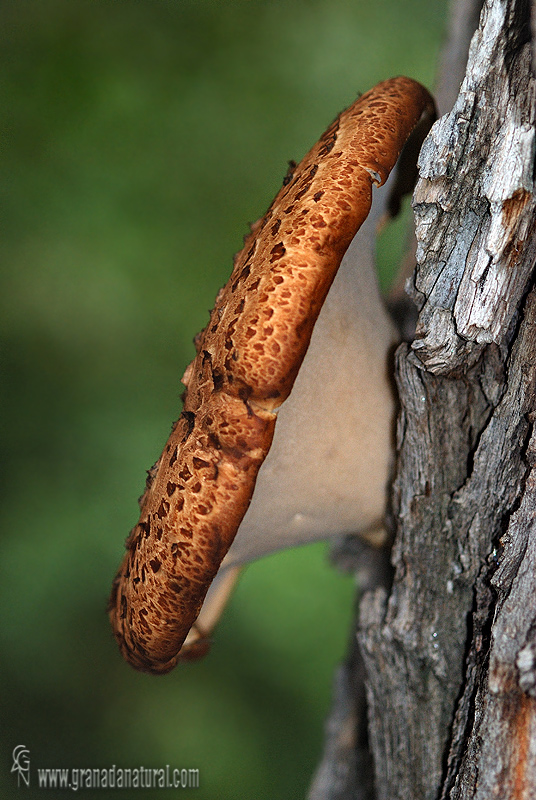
x=138, y=140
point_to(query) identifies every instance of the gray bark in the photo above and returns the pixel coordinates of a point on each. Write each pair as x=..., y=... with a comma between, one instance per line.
x=449, y=649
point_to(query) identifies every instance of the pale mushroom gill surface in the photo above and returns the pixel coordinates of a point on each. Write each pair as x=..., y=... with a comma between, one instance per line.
x=327, y=470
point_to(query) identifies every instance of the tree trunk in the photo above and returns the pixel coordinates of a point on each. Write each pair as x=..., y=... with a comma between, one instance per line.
x=449, y=648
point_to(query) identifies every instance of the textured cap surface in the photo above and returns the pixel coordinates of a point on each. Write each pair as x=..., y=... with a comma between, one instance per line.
x=248, y=357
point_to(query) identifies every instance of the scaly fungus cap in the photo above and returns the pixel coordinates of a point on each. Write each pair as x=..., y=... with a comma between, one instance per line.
x=247, y=359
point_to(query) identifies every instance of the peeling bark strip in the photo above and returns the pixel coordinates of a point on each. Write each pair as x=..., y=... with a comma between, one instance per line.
x=450, y=653
x=475, y=216
x=248, y=358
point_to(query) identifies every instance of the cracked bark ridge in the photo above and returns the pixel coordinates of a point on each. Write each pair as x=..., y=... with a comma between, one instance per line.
x=494, y=750
x=474, y=208
x=493, y=753
x=451, y=651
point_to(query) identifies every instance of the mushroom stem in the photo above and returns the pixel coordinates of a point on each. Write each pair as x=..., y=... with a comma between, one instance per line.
x=248, y=361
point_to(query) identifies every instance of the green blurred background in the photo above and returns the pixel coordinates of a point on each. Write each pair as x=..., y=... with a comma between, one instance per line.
x=138, y=140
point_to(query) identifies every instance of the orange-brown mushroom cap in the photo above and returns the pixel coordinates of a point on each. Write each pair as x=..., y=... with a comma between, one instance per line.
x=248, y=358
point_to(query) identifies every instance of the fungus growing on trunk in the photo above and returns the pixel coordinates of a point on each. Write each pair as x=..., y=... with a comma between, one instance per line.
x=328, y=468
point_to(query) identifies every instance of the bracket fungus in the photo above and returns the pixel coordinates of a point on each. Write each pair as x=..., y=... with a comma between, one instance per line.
x=329, y=463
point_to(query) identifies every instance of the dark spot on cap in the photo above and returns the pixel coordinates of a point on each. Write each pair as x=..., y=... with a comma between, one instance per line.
x=189, y=418
x=163, y=509
x=185, y=474
x=155, y=564
x=217, y=380
x=277, y=252
x=329, y=138
x=214, y=441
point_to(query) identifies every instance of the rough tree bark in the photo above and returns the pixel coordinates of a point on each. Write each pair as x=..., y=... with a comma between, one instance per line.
x=449, y=646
